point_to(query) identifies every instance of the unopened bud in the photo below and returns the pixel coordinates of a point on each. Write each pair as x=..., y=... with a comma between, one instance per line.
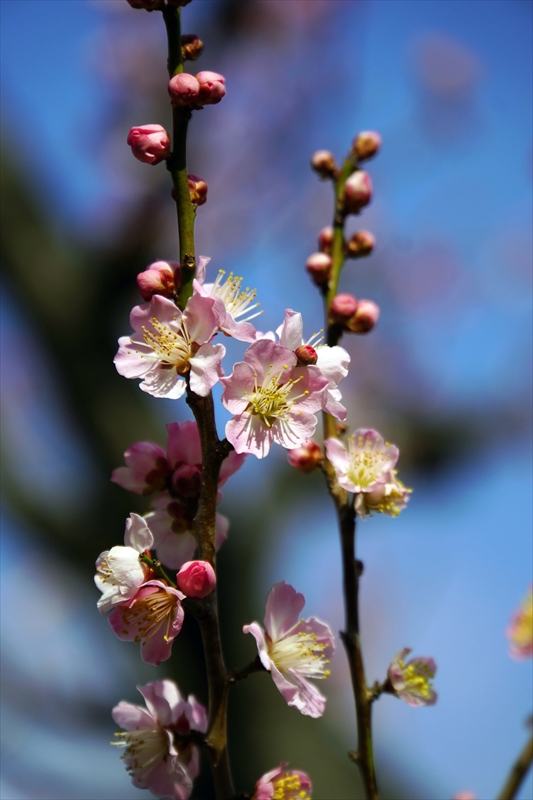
x=149, y=143
x=365, y=317
x=343, y=306
x=184, y=90
x=366, y=144
x=305, y=458
x=148, y=5
x=212, y=88
x=357, y=191
x=191, y=47
x=323, y=163
x=198, y=190
x=196, y=578
x=325, y=240
x=306, y=355
x=319, y=268
x=361, y=244
x=161, y=277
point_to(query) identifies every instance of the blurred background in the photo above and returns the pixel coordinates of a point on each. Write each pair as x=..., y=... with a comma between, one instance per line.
x=446, y=375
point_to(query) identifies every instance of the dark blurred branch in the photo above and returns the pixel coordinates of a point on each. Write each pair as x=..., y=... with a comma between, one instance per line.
x=518, y=772
x=237, y=675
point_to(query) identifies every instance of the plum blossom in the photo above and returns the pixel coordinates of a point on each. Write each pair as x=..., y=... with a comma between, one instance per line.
x=273, y=400
x=196, y=578
x=331, y=362
x=168, y=343
x=236, y=302
x=411, y=681
x=282, y=784
x=366, y=467
x=293, y=649
x=153, y=617
x=119, y=572
x=172, y=524
x=152, y=756
x=146, y=469
x=520, y=629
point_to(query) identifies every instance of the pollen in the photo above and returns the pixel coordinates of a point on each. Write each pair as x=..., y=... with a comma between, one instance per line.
x=289, y=787
x=236, y=301
x=171, y=346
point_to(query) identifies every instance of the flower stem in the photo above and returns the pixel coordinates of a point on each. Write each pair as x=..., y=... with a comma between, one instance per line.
x=518, y=772
x=351, y=568
x=158, y=569
x=177, y=163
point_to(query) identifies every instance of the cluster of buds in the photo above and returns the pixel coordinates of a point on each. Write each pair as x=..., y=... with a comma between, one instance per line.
x=355, y=316
x=206, y=88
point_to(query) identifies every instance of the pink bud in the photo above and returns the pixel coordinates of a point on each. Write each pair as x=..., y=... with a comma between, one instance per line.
x=198, y=190
x=365, y=317
x=149, y=143
x=361, y=244
x=343, y=307
x=357, y=191
x=212, y=88
x=305, y=458
x=161, y=277
x=184, y=90
x=366, y=144
x=319, y=267
x=306, y=355
x=191, y=47
x=196, y=578
x=323, y=163
x=325, y=240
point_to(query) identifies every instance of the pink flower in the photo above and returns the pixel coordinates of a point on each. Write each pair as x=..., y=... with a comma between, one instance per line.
x=168, y=344
x=196, y=578
x=146, y=469
x=235, y=302
x=273, y=400
x=282, y=784
x=293, y=649
x=149, y=143
x=119, y=572
x=411, y=681
x=520, y=629
x=331, y=362
x=152, y=756
x=172, y=524
x=153, y=617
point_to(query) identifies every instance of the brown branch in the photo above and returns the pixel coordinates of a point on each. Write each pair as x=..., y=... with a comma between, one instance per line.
x=518, y=772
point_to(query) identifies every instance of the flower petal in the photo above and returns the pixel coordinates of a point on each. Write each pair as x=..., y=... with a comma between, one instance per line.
x=283, y=608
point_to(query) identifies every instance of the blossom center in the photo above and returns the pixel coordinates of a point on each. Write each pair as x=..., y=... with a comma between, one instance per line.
x=145, y=748
x=236, y=301
x=300, y=652
x=270, y=402
x=417, y=678
x=172, y=347
x=148, y=613
x=367, y=462
x=289, y=787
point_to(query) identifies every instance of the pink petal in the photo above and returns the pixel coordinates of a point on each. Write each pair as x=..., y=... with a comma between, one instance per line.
x=200, y=318
x=243, y=331
x=294, y=432
x=144, y=456
x=138, y=534
x=129, y=716
x=169, y=779
x=291, y=331
x=196, y=714
x=248, y=434
x=337, y=454
x=259, y=635
x=304, y=696
x=160, y=382
x=332, y=405
x=206, y=369
x=230, y=465
x=265, y=357
x=283, y=608
x=333, y=363
x=161, y=308
x=175, y=549
x=237, y=387
x=183, y=444
x=163, y=701
x=203, y=261
x=221, y=530
x=129, y=360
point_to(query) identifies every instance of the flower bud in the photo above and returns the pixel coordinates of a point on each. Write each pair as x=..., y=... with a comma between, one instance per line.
x=343, y=307
x=361, y=244
x=306, y=355
x=149, y=5
x=149, y=143
x=198, y=190
x=184, y=90
x=319, y=267
x=325, y=240
x=305, y=458
x=366, y=144
x=323, y=163
x=357, y=191
x=161, y=277
x=191, y=47
x=212, y=88
x=365, y=317
x=196, y=578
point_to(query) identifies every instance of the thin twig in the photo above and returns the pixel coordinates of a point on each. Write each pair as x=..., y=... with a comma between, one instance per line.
x=518, y=772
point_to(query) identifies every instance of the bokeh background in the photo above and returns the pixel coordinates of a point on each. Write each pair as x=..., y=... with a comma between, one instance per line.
x=446, y=374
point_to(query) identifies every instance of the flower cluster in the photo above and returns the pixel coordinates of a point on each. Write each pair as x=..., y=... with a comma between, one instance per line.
x=411, y=680
x=282, y=784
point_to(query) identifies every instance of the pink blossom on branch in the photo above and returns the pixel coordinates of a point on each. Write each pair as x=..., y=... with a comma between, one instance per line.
x=152, y=756
x=146, y=469
x=411, y=681
x=149, y=143
x=164, y=278
x=282, y=784
x=119, y=572
x=196, y=578
x=273, y=400
x=153, y=617
x=168, y=343
x=293, y=649
x=520, y=629
x=236, y=302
